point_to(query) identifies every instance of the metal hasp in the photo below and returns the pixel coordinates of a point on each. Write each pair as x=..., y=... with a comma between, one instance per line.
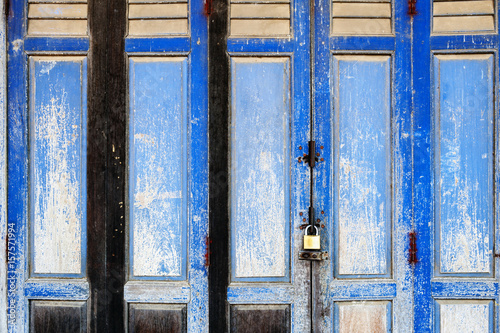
x=313, y=255
x=412, y=255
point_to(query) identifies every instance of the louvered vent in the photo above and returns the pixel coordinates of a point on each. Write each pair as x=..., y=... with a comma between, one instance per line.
x=463, y=16
x=56, y=18
x=257, y=18
x=159, y=17
x=365, y=17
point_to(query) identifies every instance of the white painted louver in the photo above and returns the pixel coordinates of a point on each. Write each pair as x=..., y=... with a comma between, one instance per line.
x=55, y=18
x=147, y=18
x=257, y=18
x=361, y=17
x=463, y=16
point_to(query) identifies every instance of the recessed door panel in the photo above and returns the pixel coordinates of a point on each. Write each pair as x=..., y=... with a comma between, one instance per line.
x=463, y=90
x=260, y=168
x=58, y=112
x=362, y=96
x=158, y=174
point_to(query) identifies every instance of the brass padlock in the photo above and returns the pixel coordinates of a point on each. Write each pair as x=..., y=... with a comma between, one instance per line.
x=312, y=242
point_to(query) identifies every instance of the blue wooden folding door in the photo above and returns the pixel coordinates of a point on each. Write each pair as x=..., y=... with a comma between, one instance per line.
x=168, y=158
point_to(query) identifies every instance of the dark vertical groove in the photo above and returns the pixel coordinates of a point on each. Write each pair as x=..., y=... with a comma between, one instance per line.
x=219, y=166
x=106, y=164
x=96, y=167
x=116, y=161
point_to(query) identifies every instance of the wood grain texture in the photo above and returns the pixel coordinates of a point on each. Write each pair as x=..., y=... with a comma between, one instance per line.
x=58, y=316
x=260, y=318
x=363, y=317
x=157, y=318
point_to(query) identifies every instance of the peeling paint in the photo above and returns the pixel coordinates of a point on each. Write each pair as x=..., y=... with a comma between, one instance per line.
x=57, y=172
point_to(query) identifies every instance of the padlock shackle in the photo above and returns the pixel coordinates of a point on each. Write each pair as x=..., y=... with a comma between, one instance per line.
x=315, y=227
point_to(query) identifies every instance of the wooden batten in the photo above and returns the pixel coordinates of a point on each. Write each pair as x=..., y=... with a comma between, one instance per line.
x=47, y=18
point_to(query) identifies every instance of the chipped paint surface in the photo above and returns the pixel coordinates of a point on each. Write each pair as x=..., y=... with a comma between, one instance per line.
x=358, y=317
x=157, y=166
x=260, y=167
x=464, y=162
x=58, y=113
x=465, y=316
x=3, y=175
x=363, y=147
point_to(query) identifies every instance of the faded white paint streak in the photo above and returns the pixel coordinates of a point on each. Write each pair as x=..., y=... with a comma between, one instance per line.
x=157, y=217
x=57, y=219
x=467, y=316
x=361, y=223
x=362, y=317
x=260, y=237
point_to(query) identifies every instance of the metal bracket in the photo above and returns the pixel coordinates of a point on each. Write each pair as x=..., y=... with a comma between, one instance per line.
x=412, y=257
x=412, y=7
x=313, y=255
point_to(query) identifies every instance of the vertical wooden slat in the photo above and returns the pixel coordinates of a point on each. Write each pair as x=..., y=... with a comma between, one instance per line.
x=96, y=171
x=218, y=167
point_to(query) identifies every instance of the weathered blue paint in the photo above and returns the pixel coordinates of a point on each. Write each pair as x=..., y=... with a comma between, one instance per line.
x=261, y=50
x=192, y=287
x=441, y=83
x=3, y=173
x=362, y=167
x=260, y=169
x=58, y=141
x=41, y=44
x=463, y=163
x=466, y=289
x=390, y=108
x=17, y=314
x=160, y=45
x=365, y=290
x=157, y=167
x=56, y=289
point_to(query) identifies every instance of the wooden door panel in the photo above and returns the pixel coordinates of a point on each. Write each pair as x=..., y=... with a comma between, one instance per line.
x=362, y=182
x=166, y=286
x=456, y=279
x=58, y=117
x=463, y=163
x=157, y=172
x=260, y=169
x=362, y=169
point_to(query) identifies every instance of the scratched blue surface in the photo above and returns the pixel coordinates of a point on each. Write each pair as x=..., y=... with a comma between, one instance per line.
x=464, y=163
x=158, y=172
x=260, y=143
x=58, y=114
x=461, y=84
x=362, y=165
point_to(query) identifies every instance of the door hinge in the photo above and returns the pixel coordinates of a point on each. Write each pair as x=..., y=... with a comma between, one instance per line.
x=311, y=158
x=412, y=257
x=208, y=253
x=412, y=7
